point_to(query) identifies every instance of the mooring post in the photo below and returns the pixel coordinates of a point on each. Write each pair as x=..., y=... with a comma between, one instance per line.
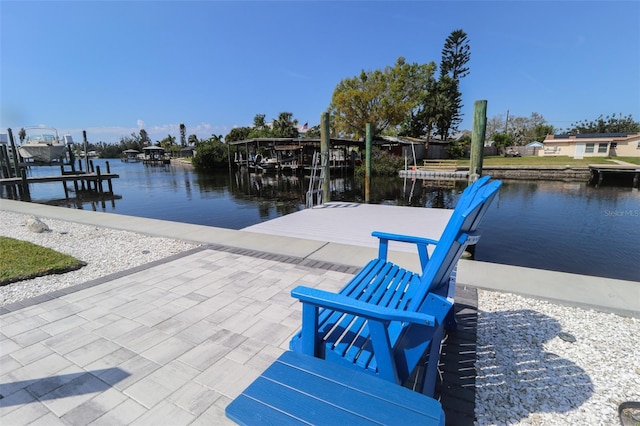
x=477, y=139
x=109, y=184
x=25, y=194
x=325, y=135
x=84, y=145
x=367, y=162
x=64, y=183
x=98, y=180
x=16, y=154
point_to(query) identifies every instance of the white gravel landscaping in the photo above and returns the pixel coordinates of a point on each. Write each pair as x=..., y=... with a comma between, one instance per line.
x=538, y=363
x=104, y=250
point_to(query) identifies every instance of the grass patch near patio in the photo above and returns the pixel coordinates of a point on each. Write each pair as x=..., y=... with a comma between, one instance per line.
x=21, y=260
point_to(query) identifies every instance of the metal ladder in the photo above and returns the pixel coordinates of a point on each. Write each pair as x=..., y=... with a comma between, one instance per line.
x=312, y=193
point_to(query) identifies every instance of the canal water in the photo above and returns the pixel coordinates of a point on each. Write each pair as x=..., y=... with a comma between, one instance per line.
x=554, y=225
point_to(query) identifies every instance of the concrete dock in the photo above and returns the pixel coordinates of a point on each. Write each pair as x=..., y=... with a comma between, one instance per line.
x=174, y=341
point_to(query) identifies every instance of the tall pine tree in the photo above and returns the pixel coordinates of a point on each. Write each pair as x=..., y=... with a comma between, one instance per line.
x=456, y=53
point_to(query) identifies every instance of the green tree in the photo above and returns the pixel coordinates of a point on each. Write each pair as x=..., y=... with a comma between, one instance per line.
x=456, y=53
x=285, y=126
x=211, y=154
x=169, y=144
x=238, y=134
x=383, y=98
x=183, y=135
x=192, y=140
x=502, y=140
x=608, y=124
x=145, y=140
x=522, y=130
x=383, y=163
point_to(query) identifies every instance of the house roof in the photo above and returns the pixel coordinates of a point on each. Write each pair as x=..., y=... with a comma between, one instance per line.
x=591, y=137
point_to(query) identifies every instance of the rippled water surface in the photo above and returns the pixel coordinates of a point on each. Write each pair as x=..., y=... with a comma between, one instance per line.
x=562, y=226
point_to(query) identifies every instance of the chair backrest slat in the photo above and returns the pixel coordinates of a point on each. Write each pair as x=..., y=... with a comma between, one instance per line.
x=465, y=219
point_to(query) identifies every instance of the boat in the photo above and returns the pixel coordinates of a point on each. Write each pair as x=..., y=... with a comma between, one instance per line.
x=155, y=156
x=43, y=145
x=131, y=156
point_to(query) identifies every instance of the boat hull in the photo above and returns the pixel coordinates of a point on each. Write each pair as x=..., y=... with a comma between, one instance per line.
x=43, y=152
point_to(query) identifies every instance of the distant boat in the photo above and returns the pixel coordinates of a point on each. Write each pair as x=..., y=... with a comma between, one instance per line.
x=155, y=156
x=43, y=145
x=131, y=156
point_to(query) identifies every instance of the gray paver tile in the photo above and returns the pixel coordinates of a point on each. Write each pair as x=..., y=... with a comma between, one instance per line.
x=13, y=401
x=25, y=410
x=46, y=366
x=204, y=355
x=44, y=385
x=31, y=353
x=92, y=351
x=245, y=351
x=97, y=323
x=148, y=391
x=122, y=414
x=217, y=377
x=8, y=364
x=64, y=324
x=30, y=337
x=133, y=309
x=72, y=394
x=194, y=398
x=269, y=332
x=239, y=321
x=61, y=312
x=167, y=350
x=214, y=415
x=128, y=372
x=164, y=413
x=8, y=346
x=113, y=359
x=23, y=325
x=198, y=332
x=172, y=326
x=116, y=329
x=48, y=419
x=96, y=407
x=227, y=338
x=70, y=340
x=141, y=338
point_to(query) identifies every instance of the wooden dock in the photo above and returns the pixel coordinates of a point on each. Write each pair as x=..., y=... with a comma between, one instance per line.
x=16, y=184
x=614, y=171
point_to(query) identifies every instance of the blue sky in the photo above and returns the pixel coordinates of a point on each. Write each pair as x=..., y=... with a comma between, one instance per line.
x=113, y=67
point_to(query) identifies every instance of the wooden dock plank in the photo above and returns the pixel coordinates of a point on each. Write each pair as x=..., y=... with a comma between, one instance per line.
x=59, y=178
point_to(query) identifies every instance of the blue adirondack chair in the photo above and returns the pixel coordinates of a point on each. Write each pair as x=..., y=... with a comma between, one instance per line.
x=387, y=318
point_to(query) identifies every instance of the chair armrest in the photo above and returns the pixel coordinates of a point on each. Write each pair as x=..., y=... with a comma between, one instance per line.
x=403, y=238
x=420, y=242
x=340, y=303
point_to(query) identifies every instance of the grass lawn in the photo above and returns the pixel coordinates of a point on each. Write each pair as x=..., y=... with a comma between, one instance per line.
x=21, y=260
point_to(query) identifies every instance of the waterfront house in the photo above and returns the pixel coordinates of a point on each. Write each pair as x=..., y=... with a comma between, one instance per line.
x=592, y=145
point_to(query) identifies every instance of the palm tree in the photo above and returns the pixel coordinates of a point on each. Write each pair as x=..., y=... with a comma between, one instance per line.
x=285, y=126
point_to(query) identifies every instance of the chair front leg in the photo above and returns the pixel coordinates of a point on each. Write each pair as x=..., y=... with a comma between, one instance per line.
x=383, y=352
x=309, y=329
